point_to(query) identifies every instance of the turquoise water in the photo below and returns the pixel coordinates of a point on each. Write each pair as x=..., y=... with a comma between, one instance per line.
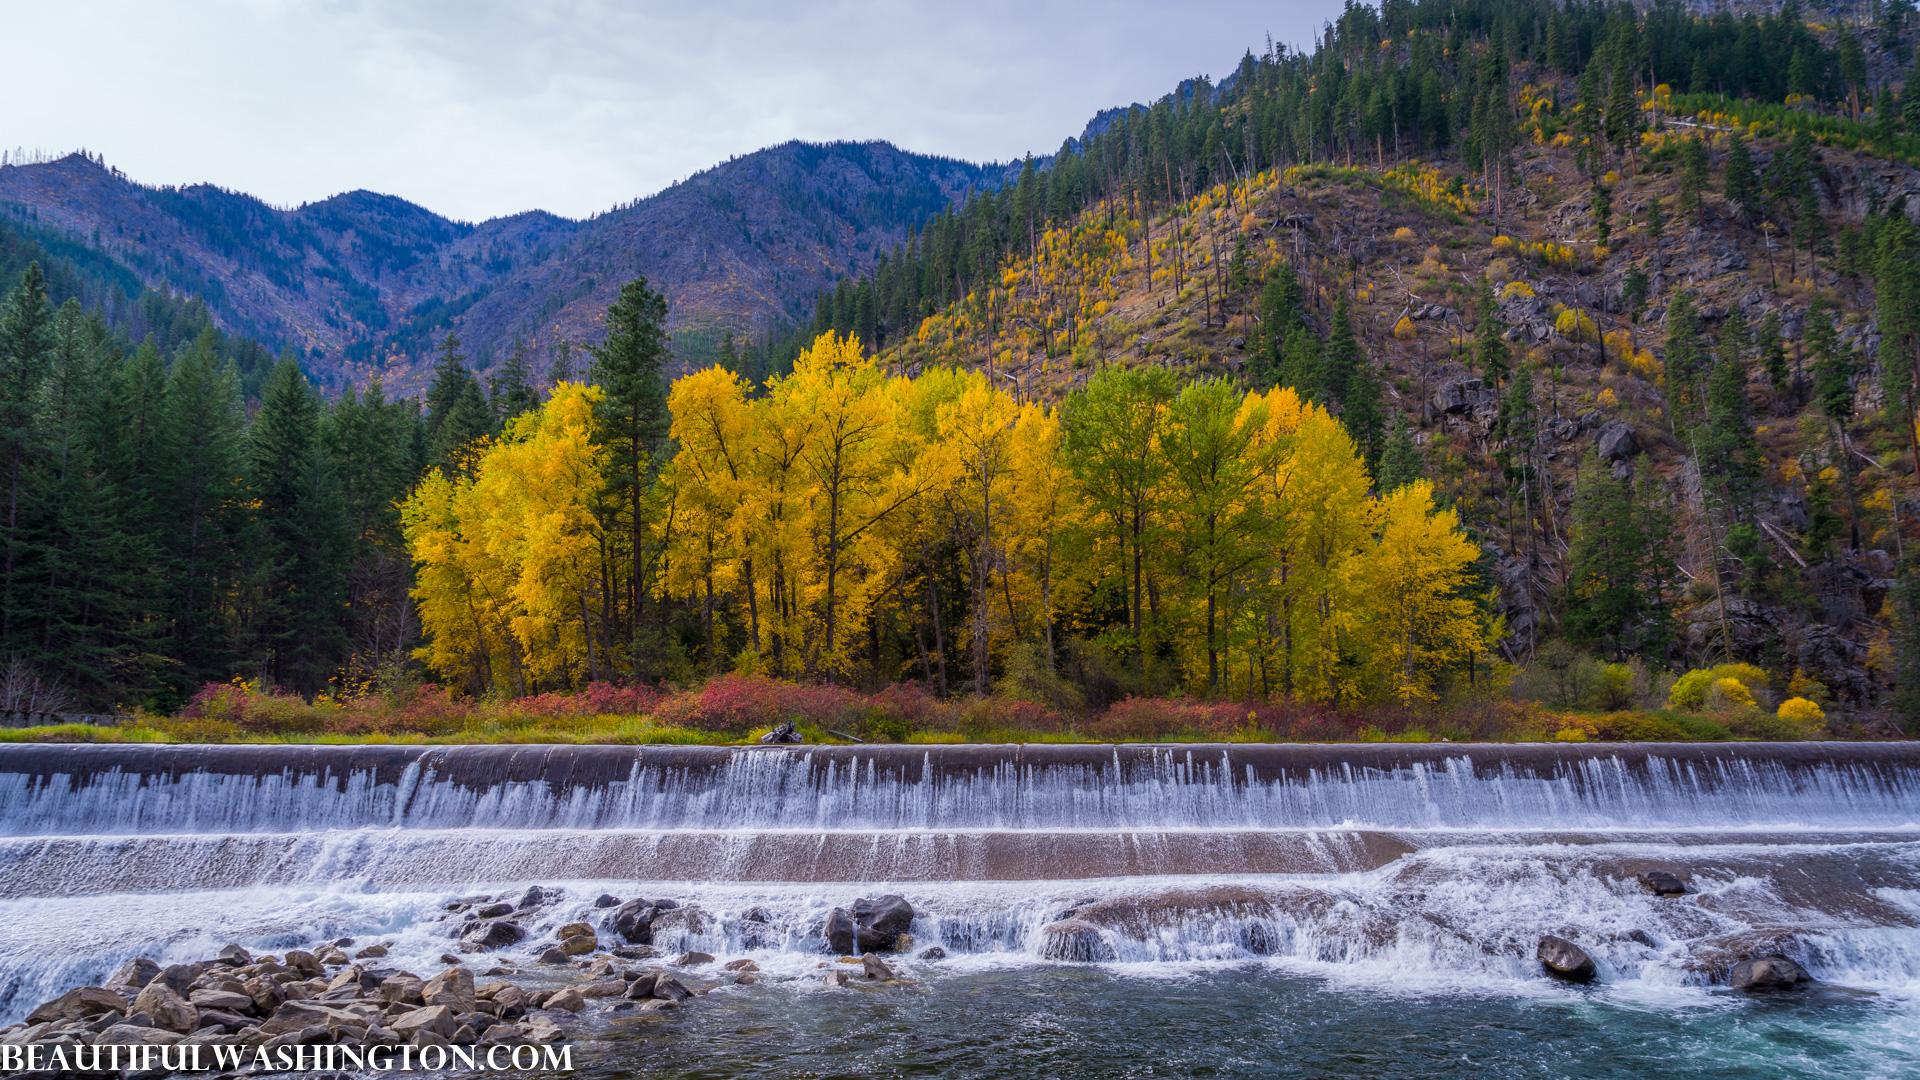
x=1254, y=1021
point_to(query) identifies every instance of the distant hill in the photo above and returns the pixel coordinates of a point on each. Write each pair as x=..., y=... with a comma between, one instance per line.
x=364, y=282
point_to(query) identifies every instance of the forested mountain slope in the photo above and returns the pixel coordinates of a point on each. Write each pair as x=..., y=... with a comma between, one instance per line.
x=363, y=283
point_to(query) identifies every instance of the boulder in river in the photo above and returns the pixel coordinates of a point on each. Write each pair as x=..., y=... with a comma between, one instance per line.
x=568, y=999
x=1075, y=941
x=497, y=935
x=1662, y=883
x=874, y=968
x=871, y=926
x=435, y=1018
x=607, y=900
x=495, y=911
x=1564, y=960
x=403, y=988
x=839, y=931
x=135, y=974
x=234, y=956
x=534, y=897
x=633, y=920
x=690, y=958
x=932, y=953
x=1767, y=973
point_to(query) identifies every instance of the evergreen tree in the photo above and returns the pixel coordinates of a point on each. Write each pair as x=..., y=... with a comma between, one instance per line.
x=1601, y=201
x=302, y=535
x=512, y=389
x=631, y=421
x=1623, y=108
x=1490, y=344
x=1617, y=575
x=1686, y=357
x=1832, y=367
x=26, y=338
x=458, y=415
x=1693, y=174
x=1740, y=182
x=1361, y=413
x=1343, y=357
x=1905, y=604
x=1773, y=358
x=561, y=369
x=1727, y=448
x=1279, y=316
x=1400, y=460
x=1300, y=364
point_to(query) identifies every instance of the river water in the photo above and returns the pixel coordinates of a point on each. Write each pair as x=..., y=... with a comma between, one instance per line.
x=1260, y=911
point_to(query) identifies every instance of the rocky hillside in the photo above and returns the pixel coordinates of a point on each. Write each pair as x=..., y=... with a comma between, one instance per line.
x=364, y=282
x=1423, y=257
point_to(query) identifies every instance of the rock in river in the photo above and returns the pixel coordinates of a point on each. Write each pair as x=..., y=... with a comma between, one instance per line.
x=1763, y=973
x=1564, y=960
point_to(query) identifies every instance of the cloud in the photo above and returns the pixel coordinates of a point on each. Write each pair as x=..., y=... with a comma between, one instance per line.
x=478, y=109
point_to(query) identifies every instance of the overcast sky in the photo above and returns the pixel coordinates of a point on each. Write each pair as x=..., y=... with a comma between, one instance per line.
x=480, y=108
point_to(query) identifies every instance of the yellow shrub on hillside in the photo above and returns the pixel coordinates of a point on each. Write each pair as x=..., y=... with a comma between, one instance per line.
x=1690, y=690
x=1801, y=711
x=1404, y=329
x=1576, y=326
x=1517, y=288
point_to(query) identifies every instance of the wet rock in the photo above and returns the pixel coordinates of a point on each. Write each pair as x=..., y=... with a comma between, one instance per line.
x=658, y=1005
x=555, y=955
x=179, y=977
x=1075, y=941
x=220, y=1000
x=670, y=988
x=87, y=1001
x=642, y=987
x=266, y=994
x=569, y=999
x=745, y=978
x=452, y=988
x=494, y=911
x=933, y=953
x=633, y=920
x=534, y=897
x=1616, y=442
x=579, y=946
x=403, y=989
x=425, y=1038
x=135, y=973
x=497, y=935
x=234, y=956
x=1768, y=973
x=605, y=988
x=1564, y=960
x=167, y=1008
x=835, y=978
x=303, y=962
x=689, y=959
x=742, y=965
x=1641, y=937
x=541, y=1029
x=874, y=968
x=635, y=952
x=371, y=952
x=449, y=958
x=839, y=931
x=607, y=900
x=1662, y=883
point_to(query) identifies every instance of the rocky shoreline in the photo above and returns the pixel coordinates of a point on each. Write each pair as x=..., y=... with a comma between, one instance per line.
x=337, y=994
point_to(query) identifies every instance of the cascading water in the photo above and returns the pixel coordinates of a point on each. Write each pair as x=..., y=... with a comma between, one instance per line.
x=1422, y=871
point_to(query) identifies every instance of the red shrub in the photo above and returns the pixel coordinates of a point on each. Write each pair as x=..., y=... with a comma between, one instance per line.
x=736, y=703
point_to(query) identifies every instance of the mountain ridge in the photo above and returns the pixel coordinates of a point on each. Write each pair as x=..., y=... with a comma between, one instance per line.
x=364, y=283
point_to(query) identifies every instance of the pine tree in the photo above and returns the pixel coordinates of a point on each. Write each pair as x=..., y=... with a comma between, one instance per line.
x=1361, y=413
x=1279, y=316
x=1343, y=356
x=1686, y=358
x=1741, y=182
x=26, y=338
x=1600, y=199
x=1905, y=604
x=561, y=368
x=1725, y=441
x=631, y=421
x=302, y=546
x=1490, y=344
x=512, y=389
x=458, y=415
x=1400, y=460
x=1693, y=174
x=1773, y=358
x=1300, y=364
x=1623, y=108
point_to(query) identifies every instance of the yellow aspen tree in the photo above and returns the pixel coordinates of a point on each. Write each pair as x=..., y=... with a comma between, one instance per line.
x=1420, y=619
x=977, y=430
x=1043, y=502
x=713, y=432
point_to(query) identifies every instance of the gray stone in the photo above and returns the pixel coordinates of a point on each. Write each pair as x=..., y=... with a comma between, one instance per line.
x=495, y=911
x=1564, y=960
x=690, y=959
x=533, y=897
x=933, y=953
x=607, y=900
x=1662, y=883
x=1768, y=973
x=569, y=999
x=135, y=973
x=223, y=1000
x=874, y=968
x=497, y=935
x=167, y=1008
x=605, y=988
x=633, y=920
x=234, y=956
x=452, y=988
x=436, y=1018
x=79, y=1004
x=1616, y=441
x=839, y=932
x=1076, y=941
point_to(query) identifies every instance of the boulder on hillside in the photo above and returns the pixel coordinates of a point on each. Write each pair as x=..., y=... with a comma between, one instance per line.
x=1616, y=442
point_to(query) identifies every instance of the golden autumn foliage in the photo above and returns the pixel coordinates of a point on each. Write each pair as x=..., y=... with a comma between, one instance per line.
x=805, y=522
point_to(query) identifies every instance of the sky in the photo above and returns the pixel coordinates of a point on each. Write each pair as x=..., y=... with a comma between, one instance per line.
x=479, y=108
